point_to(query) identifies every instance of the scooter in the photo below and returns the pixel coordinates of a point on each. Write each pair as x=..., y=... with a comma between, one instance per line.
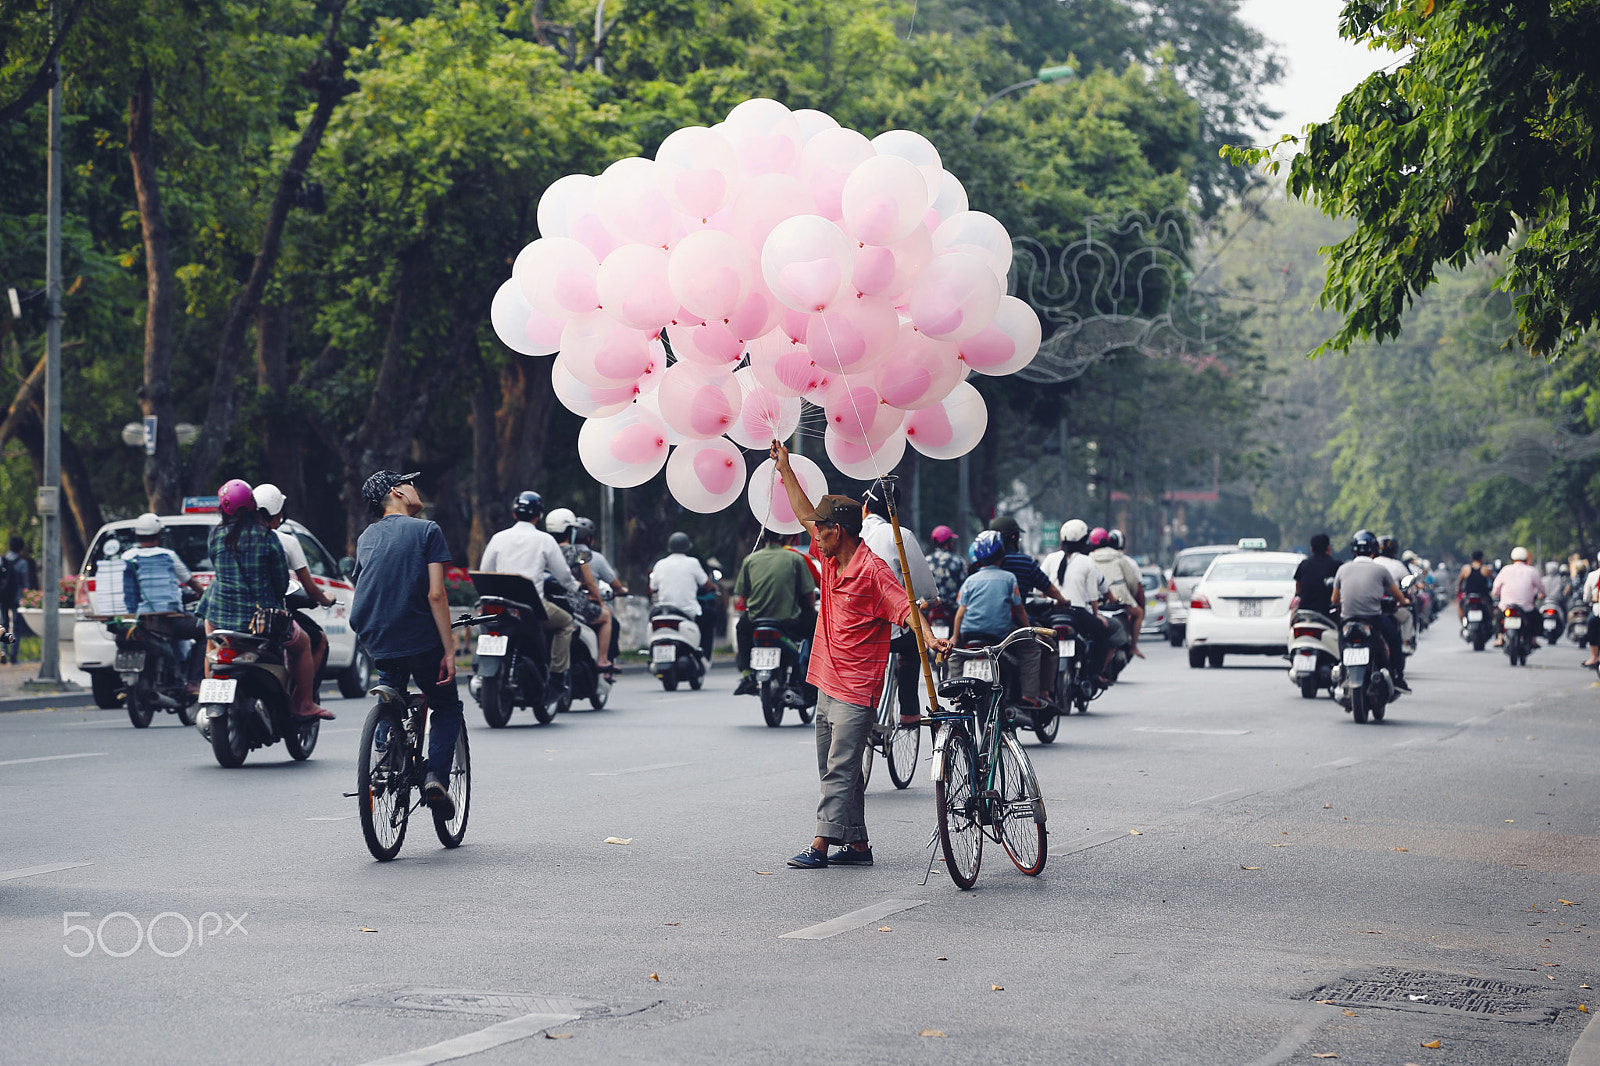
x=1119, y=622
x=1044, y=720
x=1578, y=623
x=1476, y=624
x=1363, y=677
x=246, y=703
x=675, y=648
x=1552, y=620
x=1518, y=634
x=779, y=665
x=584, y=679
x=1313, y=652
x=154, y=676
x=511, y=661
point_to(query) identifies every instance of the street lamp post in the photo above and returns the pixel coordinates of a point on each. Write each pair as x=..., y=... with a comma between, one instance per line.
x=1046, y=75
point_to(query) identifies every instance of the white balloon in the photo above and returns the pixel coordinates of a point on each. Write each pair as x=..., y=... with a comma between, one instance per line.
x=584, y=400
x=764, y=416
x=563, y=202
x=918, y=150
x=950, y=428
x=979, y=234
x=952, y=198
x=509, y=314
x=769, y=500
x=625, y=449
x=706, y=475
x=860, y=462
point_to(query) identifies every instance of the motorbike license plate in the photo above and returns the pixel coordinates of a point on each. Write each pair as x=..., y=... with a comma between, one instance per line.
x=1474, y=616
x=663, y=653
x=941, y=631
x=1249, y=608
x=130, y=662
x=765, y=658
x=218, y=690
x=1357, y=656
x=492, y=644
x=1305, y=664
x=1066, y=649
x=982, y=669
x=1513, y=622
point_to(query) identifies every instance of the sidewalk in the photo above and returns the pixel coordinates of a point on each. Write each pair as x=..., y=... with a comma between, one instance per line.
x=14, y=698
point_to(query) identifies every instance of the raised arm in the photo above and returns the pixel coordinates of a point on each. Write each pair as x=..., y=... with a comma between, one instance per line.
x=791, y=484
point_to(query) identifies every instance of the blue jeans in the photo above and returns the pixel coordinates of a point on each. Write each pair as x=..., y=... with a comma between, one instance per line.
x=444, y=703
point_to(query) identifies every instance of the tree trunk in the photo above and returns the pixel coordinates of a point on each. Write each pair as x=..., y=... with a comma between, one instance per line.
x=522, y=426
x=485, y=491
x=25, y=421
x=280, y=440
x=163, y=471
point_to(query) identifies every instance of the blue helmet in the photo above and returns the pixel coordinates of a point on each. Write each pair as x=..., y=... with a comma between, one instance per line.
x=989, y=545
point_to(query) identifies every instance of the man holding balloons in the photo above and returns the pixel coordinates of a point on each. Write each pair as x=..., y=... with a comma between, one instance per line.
x=860, y=602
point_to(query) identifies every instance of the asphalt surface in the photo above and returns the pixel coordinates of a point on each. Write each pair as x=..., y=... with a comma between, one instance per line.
x=1284, y=855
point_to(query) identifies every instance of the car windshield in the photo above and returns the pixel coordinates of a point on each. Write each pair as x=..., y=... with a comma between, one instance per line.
x=317, y=560
x=1151, y=581
x=1252, y=570
x=1192, y=564
x=188, y=540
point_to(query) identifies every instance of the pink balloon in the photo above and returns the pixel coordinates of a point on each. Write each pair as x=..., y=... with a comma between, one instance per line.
x=699, y=404
x=585, y=400
x=625, y=449
x=696, y=171
x=783, y=365
x=600, y=353
x=706, y=476
x=920, y=372
x=954, y=296
x=765, y=136
x=764, y=202
x=710, y=273
x=952, y=427
x=884, y=199
x=564, y=201
x=511, y=317
x=763, y=415
x=769, y=500
x=853, y=334
x=1007, y=344
x=629, y=199
x=860, y=416
x=806, y=263
x=864, y=462
x=543, y=332
x=557, y=277
x=889, y=271
x=825, y=164
x=633, y=289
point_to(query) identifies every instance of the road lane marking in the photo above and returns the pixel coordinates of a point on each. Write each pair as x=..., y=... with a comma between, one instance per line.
x=1194, y=732
x=638, y=769
x=1233, y=792
x=32, y=871
x=51, y=758
x=1085, y=843
x=460, y=1047
x=854, y=920
x=335, y=818
x=1339, y=764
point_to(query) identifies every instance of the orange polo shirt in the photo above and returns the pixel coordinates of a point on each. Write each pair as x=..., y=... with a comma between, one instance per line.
x=859, y=605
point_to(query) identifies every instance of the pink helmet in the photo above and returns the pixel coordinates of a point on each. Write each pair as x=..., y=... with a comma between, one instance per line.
x=235, y=496
x=942, y=534
x=1098, y=537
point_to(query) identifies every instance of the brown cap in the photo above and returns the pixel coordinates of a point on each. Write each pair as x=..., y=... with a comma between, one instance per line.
x=840, y=509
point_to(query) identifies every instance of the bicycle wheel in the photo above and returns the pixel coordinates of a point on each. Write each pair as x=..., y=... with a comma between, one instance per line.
x=956, y=796
x=384, y=794
x=451, y=832
x=904, y=744
x=1021, y=809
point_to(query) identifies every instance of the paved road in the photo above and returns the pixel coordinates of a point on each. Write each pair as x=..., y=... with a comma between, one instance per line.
x=1284, y=856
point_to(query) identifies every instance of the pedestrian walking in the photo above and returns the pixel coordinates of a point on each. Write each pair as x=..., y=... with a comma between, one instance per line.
x=860, y=602
x=14, y=578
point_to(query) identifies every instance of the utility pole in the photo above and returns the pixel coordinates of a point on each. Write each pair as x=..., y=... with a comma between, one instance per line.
x=49, y=505
x=964, y=527
x=608, y=508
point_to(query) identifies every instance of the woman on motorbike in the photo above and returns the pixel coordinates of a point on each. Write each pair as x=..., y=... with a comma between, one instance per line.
x=251, y=574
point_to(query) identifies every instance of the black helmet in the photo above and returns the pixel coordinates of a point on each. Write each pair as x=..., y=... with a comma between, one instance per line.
x=583, y=530
x=528, y=505
x=1362, y=542
x=1387, y=545
x=679, y=542
x=1007, y=527
x=1116, y=539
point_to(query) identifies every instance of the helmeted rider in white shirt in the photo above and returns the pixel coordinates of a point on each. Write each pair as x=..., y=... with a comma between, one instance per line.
x=524, y=548
x=1083, y=586
x=678, y=577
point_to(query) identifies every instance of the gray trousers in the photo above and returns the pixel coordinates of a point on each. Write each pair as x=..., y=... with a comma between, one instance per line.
x=558, y=623
x=842, y=731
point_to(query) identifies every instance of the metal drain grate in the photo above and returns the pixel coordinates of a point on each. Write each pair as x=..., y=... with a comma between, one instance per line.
x=466, y=1001
x=1415, y=990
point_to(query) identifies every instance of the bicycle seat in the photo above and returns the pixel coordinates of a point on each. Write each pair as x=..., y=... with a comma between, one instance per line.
x=964, y=689
x=386, y=693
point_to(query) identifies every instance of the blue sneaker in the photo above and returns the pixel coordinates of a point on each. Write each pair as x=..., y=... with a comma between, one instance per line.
x=810, y=859
x=848, y=856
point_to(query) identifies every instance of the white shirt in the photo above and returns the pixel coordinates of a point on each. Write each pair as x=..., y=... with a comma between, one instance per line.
x=1591, y=585
x=527, y=550
x=1084, y=585
x=1397, y=570
x=675, y=580
x=878, y=535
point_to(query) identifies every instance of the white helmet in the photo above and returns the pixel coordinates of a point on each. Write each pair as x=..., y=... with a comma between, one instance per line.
x=1074, y=529
x=147, y=525
x=1519, y=554
x=560, y=520
x=270, y=498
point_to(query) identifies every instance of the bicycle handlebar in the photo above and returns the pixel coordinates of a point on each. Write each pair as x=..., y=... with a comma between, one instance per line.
x=469, y=620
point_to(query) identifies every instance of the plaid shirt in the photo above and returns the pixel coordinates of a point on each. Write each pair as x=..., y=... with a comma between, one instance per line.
x=948, y=573
x=255, y=575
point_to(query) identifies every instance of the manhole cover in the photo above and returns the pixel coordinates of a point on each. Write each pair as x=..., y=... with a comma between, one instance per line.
x=1398, y=989
x=494, y=1004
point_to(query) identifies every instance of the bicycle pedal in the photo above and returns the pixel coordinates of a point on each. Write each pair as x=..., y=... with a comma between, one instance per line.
x=350, y=795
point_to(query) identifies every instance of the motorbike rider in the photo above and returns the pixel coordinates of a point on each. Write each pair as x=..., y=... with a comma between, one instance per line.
x=589, y=608
x=878, y=535
x=1518, y=585
x=773, y=583
x=251, y=573
x=1123, y=578
x=1358, y=591
x=1389, y=559
x=949, y=569
x=1313, y=578
x=1475, y=577
x=1085, y=586
x=583, y=533
x=269, y=502
x=1030, y=577
x=989, y=607
x=677, y=578
x=523, y=548
x=151, y=577
x=1590, y=591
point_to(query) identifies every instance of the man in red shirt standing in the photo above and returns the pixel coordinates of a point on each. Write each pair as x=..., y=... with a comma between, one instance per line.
x=860, y=601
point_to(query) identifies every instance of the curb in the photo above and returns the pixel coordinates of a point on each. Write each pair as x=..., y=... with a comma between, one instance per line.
x=58, y=701
x=1586, y=1052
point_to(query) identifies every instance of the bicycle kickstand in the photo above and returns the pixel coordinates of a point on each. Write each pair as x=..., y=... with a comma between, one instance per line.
x=933, y=853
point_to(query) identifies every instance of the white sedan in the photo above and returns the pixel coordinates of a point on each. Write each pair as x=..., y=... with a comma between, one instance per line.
x=1241, y=607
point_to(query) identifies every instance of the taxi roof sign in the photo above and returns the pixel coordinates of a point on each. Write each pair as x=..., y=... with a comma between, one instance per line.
x=1253, y=544
x=200, y=504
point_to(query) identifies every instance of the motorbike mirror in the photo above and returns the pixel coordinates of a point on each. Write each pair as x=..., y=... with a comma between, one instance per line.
x=347, y=566
x=111, y=548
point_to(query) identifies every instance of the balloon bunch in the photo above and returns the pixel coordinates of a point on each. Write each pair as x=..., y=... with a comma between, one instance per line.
x=785, y=260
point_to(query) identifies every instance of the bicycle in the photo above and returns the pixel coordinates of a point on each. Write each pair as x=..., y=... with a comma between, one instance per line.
x=898, y=744
x=393, y=763
x=983, y=782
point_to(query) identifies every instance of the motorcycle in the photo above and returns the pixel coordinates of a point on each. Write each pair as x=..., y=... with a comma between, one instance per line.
x=940, y=619
x=511, y=661
x=1552, y=620
x=778, y=663
x=154, y=676
x=1363, y=675
x=1118, y=621
x=1313, y=652
x=1045, y=720
x=1578, y=623
x=584, y=679
x=246, y=703
x=1519, y=635
x=1476, y=627
x=675, y=648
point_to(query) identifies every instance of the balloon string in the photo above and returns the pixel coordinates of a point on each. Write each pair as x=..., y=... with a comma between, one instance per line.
x=872, y=453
